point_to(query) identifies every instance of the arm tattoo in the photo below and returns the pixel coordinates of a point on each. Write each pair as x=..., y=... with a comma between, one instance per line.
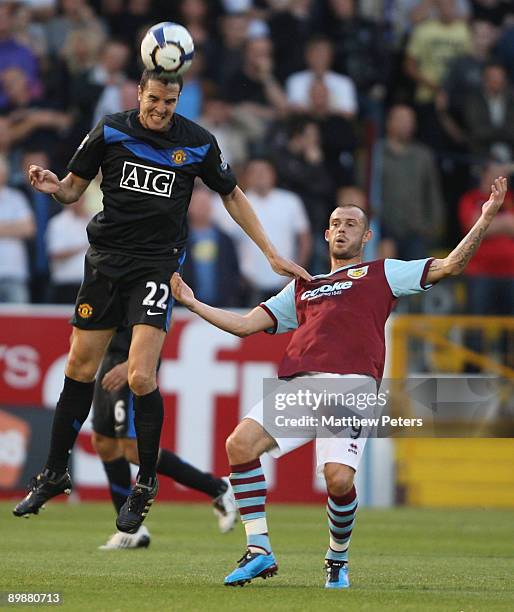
x=464, y=251
x=435, y=266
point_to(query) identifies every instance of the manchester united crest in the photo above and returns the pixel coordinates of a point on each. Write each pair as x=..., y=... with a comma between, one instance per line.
x=178, y=156
x=84, y=311
x=358, y=272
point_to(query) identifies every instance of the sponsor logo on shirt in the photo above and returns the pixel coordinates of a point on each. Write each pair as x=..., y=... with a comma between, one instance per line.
x=326, y=290
x=178, y=156
x=358, y=272
x=146, y=179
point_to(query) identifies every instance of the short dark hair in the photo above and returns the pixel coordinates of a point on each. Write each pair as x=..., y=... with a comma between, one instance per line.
x=493, y=63
x=363, y=211
x=166, y=78
x=297, y=124
x=316, y=39
x=259, y=158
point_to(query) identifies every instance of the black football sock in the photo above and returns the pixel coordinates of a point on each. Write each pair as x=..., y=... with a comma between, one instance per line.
x=186, y=474
x=118, y=475
x=71, y=412
x=148, y=417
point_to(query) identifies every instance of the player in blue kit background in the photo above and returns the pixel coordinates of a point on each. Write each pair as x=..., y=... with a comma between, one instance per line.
x=338, y=323
x=149, y=158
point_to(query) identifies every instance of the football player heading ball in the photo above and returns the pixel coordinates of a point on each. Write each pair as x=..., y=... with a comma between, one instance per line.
x=149, y=158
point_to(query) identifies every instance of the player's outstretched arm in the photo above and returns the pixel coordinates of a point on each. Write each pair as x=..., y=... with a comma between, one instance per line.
x=455, y=263
x=240, y=325
x=240, y=209
x=66, y=191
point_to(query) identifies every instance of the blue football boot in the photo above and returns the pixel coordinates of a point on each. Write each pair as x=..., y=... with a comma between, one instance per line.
x=252, y=565
x=337, y=574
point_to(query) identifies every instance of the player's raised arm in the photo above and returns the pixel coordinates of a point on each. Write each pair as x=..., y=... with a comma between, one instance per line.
x=66, y=191
x=241, y=211
x=240, y=325
x=455, y=263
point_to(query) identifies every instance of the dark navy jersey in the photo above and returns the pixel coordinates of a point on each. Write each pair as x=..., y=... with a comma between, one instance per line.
x=147, y=180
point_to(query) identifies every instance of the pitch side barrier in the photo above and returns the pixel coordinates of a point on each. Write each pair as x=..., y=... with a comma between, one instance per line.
x=477, y=351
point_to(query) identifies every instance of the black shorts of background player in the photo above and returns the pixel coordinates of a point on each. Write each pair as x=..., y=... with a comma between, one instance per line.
x=149, y=158
x=114, y=440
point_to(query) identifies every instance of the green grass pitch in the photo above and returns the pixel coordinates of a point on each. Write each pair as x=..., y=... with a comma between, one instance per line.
x=401, y=559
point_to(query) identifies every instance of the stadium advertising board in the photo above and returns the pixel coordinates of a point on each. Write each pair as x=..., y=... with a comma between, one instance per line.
x=208, y=379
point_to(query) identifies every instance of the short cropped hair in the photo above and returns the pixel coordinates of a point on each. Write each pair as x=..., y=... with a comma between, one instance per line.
x=166, y=78
x=364, y=212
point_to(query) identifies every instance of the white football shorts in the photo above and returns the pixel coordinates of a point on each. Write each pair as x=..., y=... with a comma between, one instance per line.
x=333, y=449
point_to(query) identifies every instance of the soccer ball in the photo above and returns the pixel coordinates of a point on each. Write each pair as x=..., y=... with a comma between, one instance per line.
x=167, y=47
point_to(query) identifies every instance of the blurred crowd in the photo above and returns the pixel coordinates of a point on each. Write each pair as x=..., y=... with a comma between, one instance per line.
x=404, y=107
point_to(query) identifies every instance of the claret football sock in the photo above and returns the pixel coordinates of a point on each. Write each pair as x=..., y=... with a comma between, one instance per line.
x=70, y=413
x=186, y=474
x=148, y=417
x=119, y=477
x=249, y=486
x=341, y=518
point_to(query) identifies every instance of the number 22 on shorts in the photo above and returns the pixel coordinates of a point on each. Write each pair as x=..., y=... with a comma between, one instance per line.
x=157, y=303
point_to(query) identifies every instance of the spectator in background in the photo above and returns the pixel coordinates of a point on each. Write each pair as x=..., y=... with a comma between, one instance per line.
x=16, y=225
x=490, y=273
x=116, y=98
x=81, y=50
x=211, y=267
x=337, y=134
x=93, y=89
x=75, y=15
x=319, y=56
x=284, y=220
x=407, y=197
x=15, y=55
x=43, y=209
x=31, y=122
x=505, y=49
x=196, y=15
x=232, y=134
x=129, y=18
x=494, y=11
x=464, y=73
x=224, y=55
x=432, y=46
x=300, y=166
x=28, y=32
x=5, y=136
x=405, y=14
x=257, y=95
x=78, y=55
x=361, y=53
x=292, y=21
x=67, y=243
x=489, y=115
